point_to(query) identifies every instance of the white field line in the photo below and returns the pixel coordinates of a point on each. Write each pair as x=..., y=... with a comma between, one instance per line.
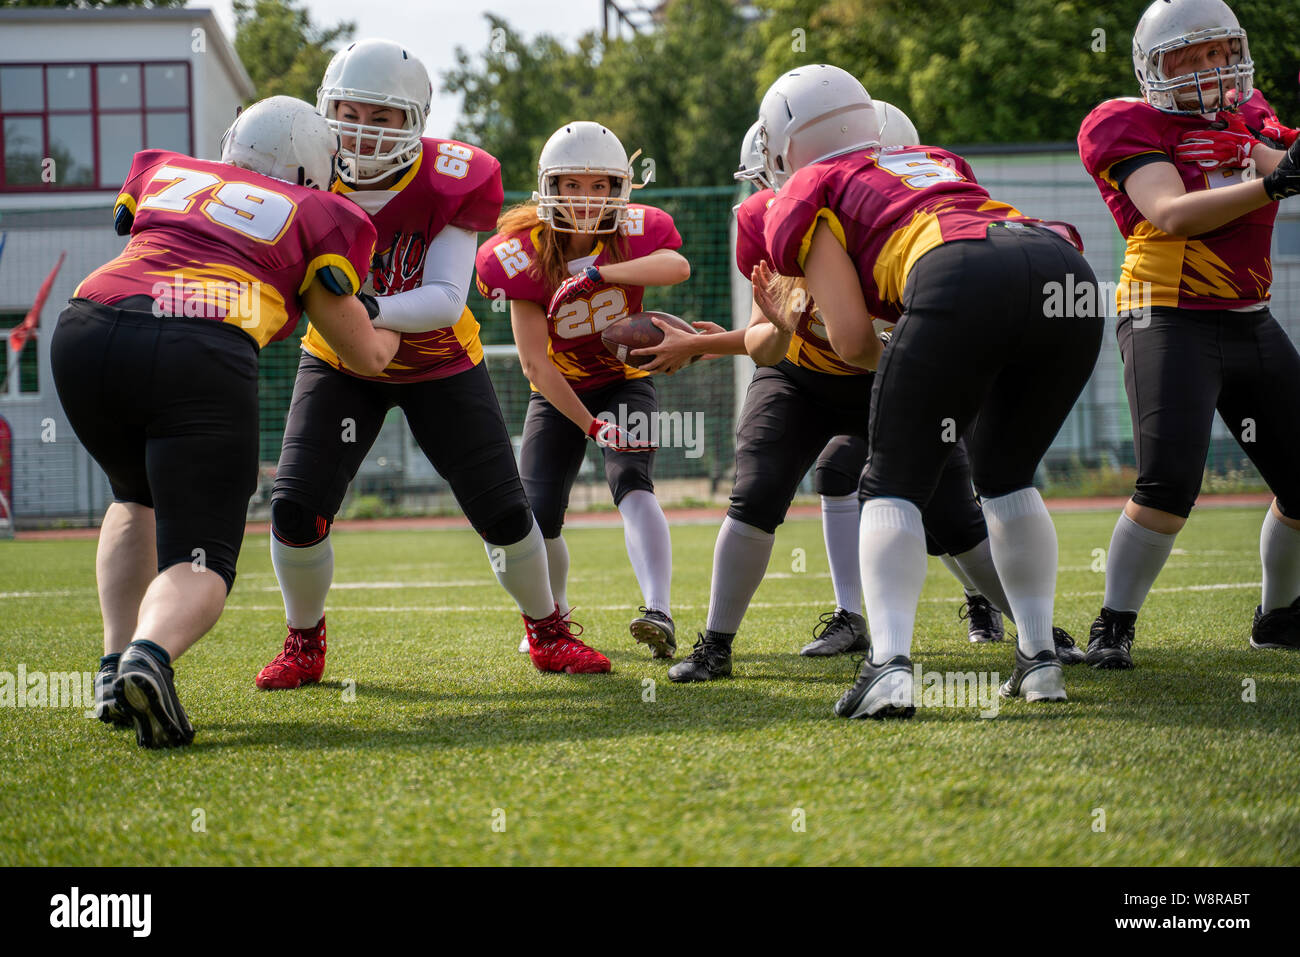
x=1215, y=586
x=452, y=609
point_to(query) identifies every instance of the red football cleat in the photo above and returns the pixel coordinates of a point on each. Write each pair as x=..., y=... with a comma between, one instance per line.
x=553, y=647
x=301, y=663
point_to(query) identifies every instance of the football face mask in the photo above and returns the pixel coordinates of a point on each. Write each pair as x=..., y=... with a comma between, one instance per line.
x=573, y=213
x=1200, y=91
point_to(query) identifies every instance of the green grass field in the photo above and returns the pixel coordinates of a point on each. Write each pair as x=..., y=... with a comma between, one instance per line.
x=455, y=751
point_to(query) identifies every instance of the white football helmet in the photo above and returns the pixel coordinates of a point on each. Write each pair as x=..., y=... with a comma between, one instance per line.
x=284, y=138
x=583, y=148
x=380, y=73
x=895, y=127
x=751, y=168
x=1172, y=24
x=811, y=114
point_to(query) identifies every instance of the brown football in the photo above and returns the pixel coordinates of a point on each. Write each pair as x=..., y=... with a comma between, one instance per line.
x=637, y=331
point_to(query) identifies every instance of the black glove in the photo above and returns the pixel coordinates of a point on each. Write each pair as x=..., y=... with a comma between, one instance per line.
x=1285, y=180
x=371, y=304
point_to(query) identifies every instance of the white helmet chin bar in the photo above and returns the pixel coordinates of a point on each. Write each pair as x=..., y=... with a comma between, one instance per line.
x=584, y=149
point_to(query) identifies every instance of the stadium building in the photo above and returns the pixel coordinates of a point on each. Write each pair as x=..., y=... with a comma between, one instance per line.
x=80, y=92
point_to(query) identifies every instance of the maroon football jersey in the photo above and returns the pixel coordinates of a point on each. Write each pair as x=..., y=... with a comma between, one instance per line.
x=506, y=263
x=1226, y=268
x=214, y=241
x=887, y=207
x=810, y=345
x=450, y=184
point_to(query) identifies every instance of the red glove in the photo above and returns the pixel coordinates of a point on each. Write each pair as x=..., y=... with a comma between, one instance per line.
x=1217, y=148
x=575, y=287
x=1275, y=131
x=610, y=436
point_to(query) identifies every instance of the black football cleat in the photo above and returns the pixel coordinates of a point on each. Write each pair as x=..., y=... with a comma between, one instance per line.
x=1067, y=652
x=107, y=708
x=709, y=659
x=1035, y=679
x=838, y=631
x=656, y=629
x=985, y=620
x=1279, y=628
x=145, y=690
x=881, y=691
x=1110, y=641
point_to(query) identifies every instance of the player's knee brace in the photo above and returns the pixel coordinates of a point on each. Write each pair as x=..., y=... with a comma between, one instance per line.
x=296, y=526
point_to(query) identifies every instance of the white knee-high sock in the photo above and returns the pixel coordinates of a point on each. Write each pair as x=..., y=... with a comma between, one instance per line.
x=977, y=566
x=840, y=529
x=557, y=563
x=1134, y=560
x=1022, y=539
x=304, y=575
x=649, y=546
x=739, y=560
x=955, y=569
x=891, y=552
x=1279, y=551
x=521, y=570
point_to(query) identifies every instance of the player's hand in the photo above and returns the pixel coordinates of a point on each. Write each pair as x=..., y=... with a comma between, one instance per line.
x=765, y=298
x=1211, y=149
x=610, y=436
x=1275, y=131
x=583, y=284
x=371, y=304
x=1284, y=181
x=674, y=351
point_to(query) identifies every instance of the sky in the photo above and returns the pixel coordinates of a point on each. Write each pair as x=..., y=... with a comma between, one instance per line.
x=432, y=29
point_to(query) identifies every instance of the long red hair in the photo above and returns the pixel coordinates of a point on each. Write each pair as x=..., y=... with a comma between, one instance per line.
x=552, y=263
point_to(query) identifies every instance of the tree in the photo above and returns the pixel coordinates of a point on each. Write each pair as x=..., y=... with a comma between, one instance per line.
x=283, y=51
x=683, y=94
x=989, y=71
x=516, y=93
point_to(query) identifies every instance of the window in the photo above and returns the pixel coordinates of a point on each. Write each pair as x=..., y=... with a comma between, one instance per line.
x=21, y=376
x=70, y=126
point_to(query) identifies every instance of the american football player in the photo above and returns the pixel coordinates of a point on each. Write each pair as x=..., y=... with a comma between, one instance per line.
x=908, y=235
x=801, y=396
x=1192, y=172
x=427, y=199
x=155, y=362
x=572, y=262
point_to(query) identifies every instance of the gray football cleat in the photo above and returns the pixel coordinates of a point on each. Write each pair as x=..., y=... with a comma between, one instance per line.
x=881, y=691
x=838, y=631
x=656, y=629
x=1039, y=678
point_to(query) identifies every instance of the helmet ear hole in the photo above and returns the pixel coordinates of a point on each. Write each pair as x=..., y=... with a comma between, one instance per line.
x=302, y=176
